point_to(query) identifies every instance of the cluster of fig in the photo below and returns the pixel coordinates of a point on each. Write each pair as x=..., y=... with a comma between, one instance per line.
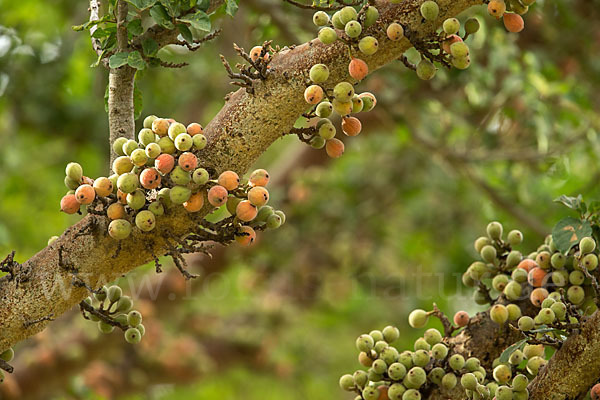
x=161, y=171
x=510, y=11
x=116, y=311
x=552, y=281
x=395, y=375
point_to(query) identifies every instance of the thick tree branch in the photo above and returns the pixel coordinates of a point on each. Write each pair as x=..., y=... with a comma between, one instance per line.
x=244, y=128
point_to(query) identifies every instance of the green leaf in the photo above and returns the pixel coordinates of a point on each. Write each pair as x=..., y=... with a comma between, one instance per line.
x=117, y=60
x=511, y=349
x=204, y=5
x=135, y=27
x=150, y=47
x=99, y=59
x=161, y=17
x=568, y=232
x=185, y=32
x=198, y=20
x=137, y=102
x=175, y=7
x=135, y=60
x=573, y=203
x=142, y=4
x=231, y=7
x=89, y=24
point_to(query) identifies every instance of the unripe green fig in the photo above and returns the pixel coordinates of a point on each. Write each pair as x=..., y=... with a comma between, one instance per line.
x=488, y=253
x=368, y=45
x=136, y=199
x=586, y=245
x=347, y=382
x=416, y=377
x=357, y=104
x=480, y=242
x=504, y=393
x=118, y=146
x=124, y=304
x=342, y=108
x=449, y=381
x=179, y=176
x=122, y=165
x=128, y=183
x=451, y=26
x=319, y=73
x=494, y=229
x=576, y=294
x=183, y=142
x=327, y=35
x=426, y=69
x=502, y=373
x=499, y=282
x=360, y=378
x=105, y=328
x=119, y=229
x=320, y=18
x=514, y=258
x=138, y=157
x=472, y=26
x=353, y=29
x=274, y=221
x=134, y=318
x=456, y=362
x=7, y=355
x=369, y=101
x=200, y=176
x=520, y=382
x=70, y=183
x=439, y=351
x=432, y=336
x=519, y=275
x=146, y=136
x=327, y=130
x=324, y=109
x=590, y=261
x=129, y=147
x=418, y=318
x=176, y=129
x=499, y=314
x=421, y=344
x=74, y=172
x=390, y=334
x=149, y=120
x=430, y=10
x=336, y=21
x=461, y=62
x=199, y=141
x=348, y=14
x=469, y=381
x=371, y=16
x=179, y=194
x=513, y=290
x=514, y=237
x=145, y=221
x=514, y=312
x=397, y=371
x=343, y=92
x=166, y=145
x=365, y=343
x=133, y=336
x=317, y=142
x=370, y=393
x=560, y=310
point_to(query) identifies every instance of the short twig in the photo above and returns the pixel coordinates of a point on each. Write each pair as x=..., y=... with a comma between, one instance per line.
x=49, y=317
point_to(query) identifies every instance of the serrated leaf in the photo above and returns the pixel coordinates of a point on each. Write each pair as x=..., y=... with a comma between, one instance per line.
x=232, y=7
x=511, y=349
x=135, y=60
x=199, y=20
x=117, y=60
x=161, y=17
x=137, y=102
x=568, y=232
x=142, y=4
x=134, y=27
x=150, y=47
x=185, y=32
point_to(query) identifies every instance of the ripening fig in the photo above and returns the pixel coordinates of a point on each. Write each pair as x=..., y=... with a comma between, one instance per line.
x=499, y=314
x=595, y=392
x=194, y=203
x=255, y=53
x=451, y=26
x=358, y=69
x=351, y=126
x=319, y=73
x=130, y=146
x=430, y=10
x=496, y=8
x=537, y=277
x=145, y=221
x=395, y=31
x=327, y=35
x=217, y=195
x=368, y=45
x=128, y=183
x=326, y=129
x=461, y=318
x=449, y=41
x=136, y=199
x=313, y=94
x=150, y=178
x=334, y=148
x=229, y=180
x=426, y=69
x=258, y=196
x=121, y=197
x=320, y=18
x=115, y=211
x=179, y=194
x=69, y=204
x=527, y=264
x=103, y=186
x=194, y=129
x=246, y=211
x=85, y=194
x=183, y=142
x=187, y=161
x=245, y=235
x=369, y=101
x=118, y=146
x=537, y=296
x=342, y=108
x=259, y=177
x=164, y=163
x=513, y=22
x=74, y=171
x=119, y=229
x=160, y=126
x=156, y=208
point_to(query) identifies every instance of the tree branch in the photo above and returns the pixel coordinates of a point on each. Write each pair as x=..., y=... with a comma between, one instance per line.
x=244, y=128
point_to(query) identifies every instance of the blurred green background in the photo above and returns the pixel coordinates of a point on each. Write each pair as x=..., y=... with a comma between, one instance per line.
x=386, y=228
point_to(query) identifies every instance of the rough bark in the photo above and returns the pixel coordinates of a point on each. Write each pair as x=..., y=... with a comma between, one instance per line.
x=243, y=129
